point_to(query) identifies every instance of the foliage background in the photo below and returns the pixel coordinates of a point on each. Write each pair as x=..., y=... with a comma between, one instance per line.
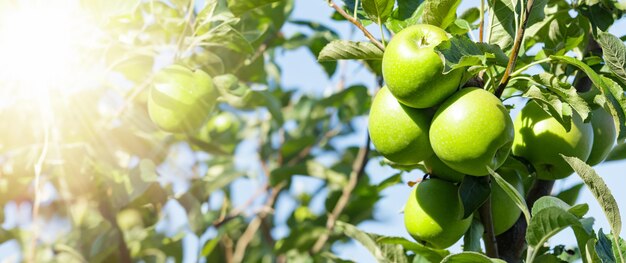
x=301, y=72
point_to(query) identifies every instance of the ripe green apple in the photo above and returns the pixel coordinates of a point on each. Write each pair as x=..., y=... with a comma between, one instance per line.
x=604, y=135
x=180, y=99
x=398, y=132
x=472, y=130
x=432, y=215
x=504, y=212
x=540, y=138
x=438, y=169
x=413, y=70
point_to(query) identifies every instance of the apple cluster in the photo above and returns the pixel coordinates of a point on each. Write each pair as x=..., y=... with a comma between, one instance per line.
x=421, y=116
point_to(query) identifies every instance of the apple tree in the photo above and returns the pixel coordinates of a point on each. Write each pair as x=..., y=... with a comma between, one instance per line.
x=484, y=109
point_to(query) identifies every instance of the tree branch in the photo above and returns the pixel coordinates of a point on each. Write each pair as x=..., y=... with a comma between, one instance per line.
x=489, y=237
x=254, y=225
x=358, y=166
x=519, y=37
x=358, y=24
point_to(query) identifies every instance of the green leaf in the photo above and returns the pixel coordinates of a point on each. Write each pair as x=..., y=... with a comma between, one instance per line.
x=619, y=248
x=600, y=191
x=390, y=181
x=512, y=193
x=471, y=239
x=566, y=92
x=610, y=90
x=547, y=223
x=407, y=14
x=431, y=254
x=239, y=7
x=473, y=191
x=378, y=10
x=548, y=201
x=343, y=49
x=502, y=29
x=571, y=194
x=460, y=52
x=470, y=257
x=604, y=248
x=552, y=105
x=471, y=15
x=579, y=210
x=600, y=17
x=440, y=13
x=382, y=252
x=614, y=54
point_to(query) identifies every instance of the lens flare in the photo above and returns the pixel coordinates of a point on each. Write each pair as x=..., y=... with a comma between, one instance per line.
x=43, y=47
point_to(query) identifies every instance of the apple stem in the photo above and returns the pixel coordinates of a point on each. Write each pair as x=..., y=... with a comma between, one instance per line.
x=519, y=37
x=358, y=24
x=489, y=237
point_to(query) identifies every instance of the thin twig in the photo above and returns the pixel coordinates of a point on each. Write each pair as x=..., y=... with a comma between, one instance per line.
x=519, y=37
x=481, y=26
x=45, y=115
x=254, y=225
x=358, y=24
x=489, y=237
x=358, y=166
x=187, y=26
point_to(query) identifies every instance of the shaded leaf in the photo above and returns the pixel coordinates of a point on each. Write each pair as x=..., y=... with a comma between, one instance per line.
x=378, y=10
x=473, y=191
x=406, y=14
x=472, y=238
x=604, y=248
x=571, y=194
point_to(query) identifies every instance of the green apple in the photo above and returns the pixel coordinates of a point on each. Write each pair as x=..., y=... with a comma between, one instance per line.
x=413, y=70
x=180, y=99
x=436, y=168
x=604, y=135
x=433, y=214
x=398, y=132
x=472, y=130
x=504, y=212
x=540, y=138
